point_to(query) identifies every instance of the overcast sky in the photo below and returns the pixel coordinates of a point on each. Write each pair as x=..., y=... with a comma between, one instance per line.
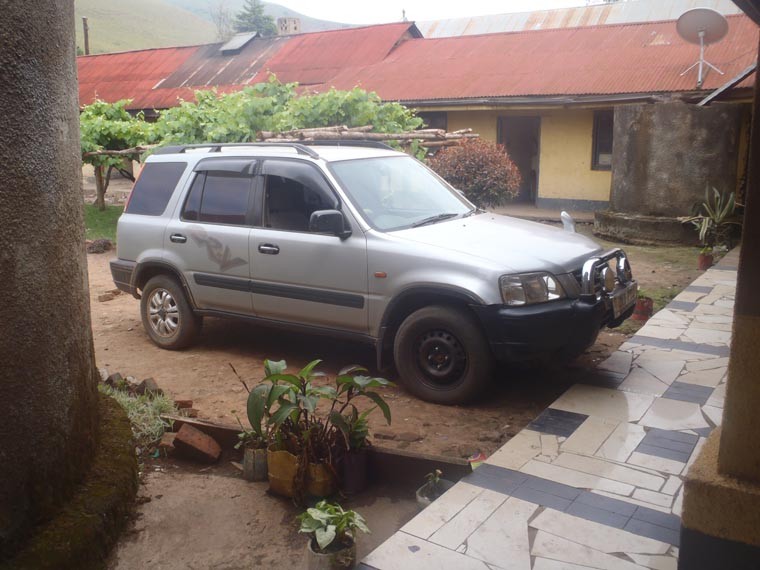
x=381, y=11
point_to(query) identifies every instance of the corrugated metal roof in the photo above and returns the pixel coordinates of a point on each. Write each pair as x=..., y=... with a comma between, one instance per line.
x=600, y=60
x=617, y=13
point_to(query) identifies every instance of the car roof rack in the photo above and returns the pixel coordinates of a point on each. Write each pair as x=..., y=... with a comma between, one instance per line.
x=217, y=147
x=349, y=142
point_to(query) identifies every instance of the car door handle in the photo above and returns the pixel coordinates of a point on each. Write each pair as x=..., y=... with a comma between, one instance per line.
x=178, y=238
x=269, y=249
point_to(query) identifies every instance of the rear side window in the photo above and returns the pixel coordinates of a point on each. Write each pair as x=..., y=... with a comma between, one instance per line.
x=219, y=198
x=154, y=188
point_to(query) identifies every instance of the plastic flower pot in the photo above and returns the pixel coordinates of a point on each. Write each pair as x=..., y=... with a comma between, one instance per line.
x=426, y=495
x=282, y=467
x=331, y=559
x=320, y=481
x=255, y=464
x=704, y=261
x=643, y=309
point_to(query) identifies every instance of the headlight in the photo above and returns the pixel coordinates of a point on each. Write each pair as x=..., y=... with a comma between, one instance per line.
x=530, y=288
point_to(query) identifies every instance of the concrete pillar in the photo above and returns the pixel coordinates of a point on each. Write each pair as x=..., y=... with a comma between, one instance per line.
x=721, y=509
x=48, y=381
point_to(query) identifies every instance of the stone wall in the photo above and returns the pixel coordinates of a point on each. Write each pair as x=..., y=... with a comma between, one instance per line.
x=666, y=154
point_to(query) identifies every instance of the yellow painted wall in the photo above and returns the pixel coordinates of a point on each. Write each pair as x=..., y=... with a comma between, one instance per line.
x=565, y=159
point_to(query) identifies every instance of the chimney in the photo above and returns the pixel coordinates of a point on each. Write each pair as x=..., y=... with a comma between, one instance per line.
x=288, y=26
x=86, y=30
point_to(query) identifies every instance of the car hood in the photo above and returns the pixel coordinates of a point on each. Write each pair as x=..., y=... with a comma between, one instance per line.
x=513, y=244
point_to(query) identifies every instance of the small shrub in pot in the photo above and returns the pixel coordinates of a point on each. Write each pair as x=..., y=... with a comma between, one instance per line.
x=332, y=530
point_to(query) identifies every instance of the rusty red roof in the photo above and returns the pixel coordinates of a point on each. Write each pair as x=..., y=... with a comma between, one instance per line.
x=395, y=62
x=599, y=60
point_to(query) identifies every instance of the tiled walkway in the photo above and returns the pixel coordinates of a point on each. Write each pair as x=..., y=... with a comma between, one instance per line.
x=595, y=481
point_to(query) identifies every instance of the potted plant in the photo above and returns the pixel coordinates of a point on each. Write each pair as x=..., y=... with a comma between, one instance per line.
x=434, y=487
x=254, y=441
x=643, y=309
x=353, y=425
x=715, y=219
x=705, y=258
x=332, y=530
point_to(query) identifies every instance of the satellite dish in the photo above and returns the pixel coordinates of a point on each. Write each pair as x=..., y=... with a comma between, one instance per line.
x=702, y=26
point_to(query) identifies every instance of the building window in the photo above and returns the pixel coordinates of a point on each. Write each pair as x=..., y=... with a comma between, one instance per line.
x=434, y=119
x=601, y=154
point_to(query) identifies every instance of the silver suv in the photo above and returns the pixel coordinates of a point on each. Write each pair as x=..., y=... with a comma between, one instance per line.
x=360, y=242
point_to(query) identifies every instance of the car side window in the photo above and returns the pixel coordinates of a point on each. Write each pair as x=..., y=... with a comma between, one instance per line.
x=219, y=198
x=292, y=192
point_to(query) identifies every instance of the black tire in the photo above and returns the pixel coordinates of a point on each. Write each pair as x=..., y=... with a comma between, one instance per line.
x=170, y=323
x=442, y=355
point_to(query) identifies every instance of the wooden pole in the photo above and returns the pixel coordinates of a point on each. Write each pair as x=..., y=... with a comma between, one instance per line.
x=86, y=32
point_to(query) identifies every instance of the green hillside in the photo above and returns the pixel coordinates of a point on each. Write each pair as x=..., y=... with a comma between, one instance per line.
x=116, y=25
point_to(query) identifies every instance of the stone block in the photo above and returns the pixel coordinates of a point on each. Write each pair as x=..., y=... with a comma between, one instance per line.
x=195, y=445
x=149, y=386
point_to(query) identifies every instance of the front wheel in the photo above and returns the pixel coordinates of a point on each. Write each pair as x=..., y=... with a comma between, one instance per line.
x=442, y=355
x=166, y=314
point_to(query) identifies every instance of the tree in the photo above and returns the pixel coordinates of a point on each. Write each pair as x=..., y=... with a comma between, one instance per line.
x=253, y=19
x=481, y=169
x=109, y=126
x=222, y=19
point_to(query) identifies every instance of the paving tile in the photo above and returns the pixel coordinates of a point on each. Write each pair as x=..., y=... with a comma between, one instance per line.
x=689, y=296
x=552, y=487
x=714, y=319
x=718, y=397
x=541, y=498
x=673, y=415
x=403, y=551
x=576, y=478
x=708, y=365
x=590, y=436
x=622, y=442
x=550, y=546
x=602, y=378
x=713, y=310
x=594, y=535
x=715, y=415
x=495, y=478
x=705, y=377
x=652, y=330
x=557, y=422
x=653, y=531
x=466, y=521
x=658, y=463
x=662, y=365
x=658, y=518
x=724, y=327
x=640, y=381
x=678, y=504
x=668, y=317
x=694, y=455
x=546, y=564
x=604, y=403
x=633, y=502
x=442, y=510
x=618, y=361
x=698, y=289
x=659, y=499
x=597, y=515
x=550, y=445
x=502, y=540
x=608, y=504
x=688, y=392
x=655, y=562
x=663, y=452
x=708, y=336
x=682, y=305
x=616, y=472
x=704, y=432
x=668, y=444
x=684, y=346
x=517, y=451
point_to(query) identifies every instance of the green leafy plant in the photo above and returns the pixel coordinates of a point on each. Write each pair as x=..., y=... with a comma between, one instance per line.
x=258, y=409
x=432, y=489
x=479, y=168
x=331, y=527
x=715, y=219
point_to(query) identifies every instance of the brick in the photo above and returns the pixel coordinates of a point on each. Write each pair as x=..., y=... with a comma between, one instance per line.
x=196, y=445
x=167, y=442
x=183, y=404
x=114, y=380
x=103, y=297
x=190, y=413
x=149, y=386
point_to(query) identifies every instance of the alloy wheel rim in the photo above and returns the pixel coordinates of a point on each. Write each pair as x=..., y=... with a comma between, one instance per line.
x=163, y=313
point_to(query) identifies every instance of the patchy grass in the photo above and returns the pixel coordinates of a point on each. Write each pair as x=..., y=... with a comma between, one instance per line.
x=144, y=412
x=101, y=225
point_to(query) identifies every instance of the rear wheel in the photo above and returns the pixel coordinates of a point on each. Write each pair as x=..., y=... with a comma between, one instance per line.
x=442, y=355
x=166, y=314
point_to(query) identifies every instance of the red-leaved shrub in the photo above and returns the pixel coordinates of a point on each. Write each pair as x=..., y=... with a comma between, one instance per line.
x=479, y=168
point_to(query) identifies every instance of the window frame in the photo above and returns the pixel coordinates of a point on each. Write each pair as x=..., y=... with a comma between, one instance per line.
x=598, y=117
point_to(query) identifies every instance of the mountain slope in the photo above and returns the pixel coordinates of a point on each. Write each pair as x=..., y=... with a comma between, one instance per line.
x=116, y=25
x=308, y=24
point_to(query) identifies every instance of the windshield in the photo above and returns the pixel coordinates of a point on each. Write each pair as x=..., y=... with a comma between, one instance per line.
x=398, y=192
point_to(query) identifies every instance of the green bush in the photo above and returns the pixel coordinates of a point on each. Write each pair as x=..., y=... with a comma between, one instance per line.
x=479, y=168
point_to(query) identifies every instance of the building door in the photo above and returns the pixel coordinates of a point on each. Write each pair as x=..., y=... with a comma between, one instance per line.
x=521, y=137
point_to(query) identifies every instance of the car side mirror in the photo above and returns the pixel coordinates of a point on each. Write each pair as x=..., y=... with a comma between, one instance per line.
x=329, y=222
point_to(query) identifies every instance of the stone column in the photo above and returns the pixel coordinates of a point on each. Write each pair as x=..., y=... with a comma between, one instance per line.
x=721, y=509
x=48, y=380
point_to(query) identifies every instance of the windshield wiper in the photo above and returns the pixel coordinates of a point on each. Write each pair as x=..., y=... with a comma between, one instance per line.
x=433, y=219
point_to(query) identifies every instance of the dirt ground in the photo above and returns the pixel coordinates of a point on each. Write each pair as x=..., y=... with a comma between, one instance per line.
x=202, y=373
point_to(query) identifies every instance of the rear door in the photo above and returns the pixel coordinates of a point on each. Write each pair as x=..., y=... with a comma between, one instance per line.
x=208, y=241
x=300, y=276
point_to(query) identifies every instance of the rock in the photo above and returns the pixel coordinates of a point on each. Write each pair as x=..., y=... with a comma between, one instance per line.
x=99, y=246
x=183, y=404
x=409, y=436
x=114, y=380
x=383, y=434
x=116, y=292
x=132, y=384
x=103, y=374
x=494, y=436
x=167, y=442
x=196, y=445
x=102, y=298
x=148, y=386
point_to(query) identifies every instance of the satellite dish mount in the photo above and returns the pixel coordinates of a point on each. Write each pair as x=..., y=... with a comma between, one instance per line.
x=703, y=26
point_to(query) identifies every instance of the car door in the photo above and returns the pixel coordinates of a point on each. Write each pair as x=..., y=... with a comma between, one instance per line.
x=208, y=241
x=298, y=275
